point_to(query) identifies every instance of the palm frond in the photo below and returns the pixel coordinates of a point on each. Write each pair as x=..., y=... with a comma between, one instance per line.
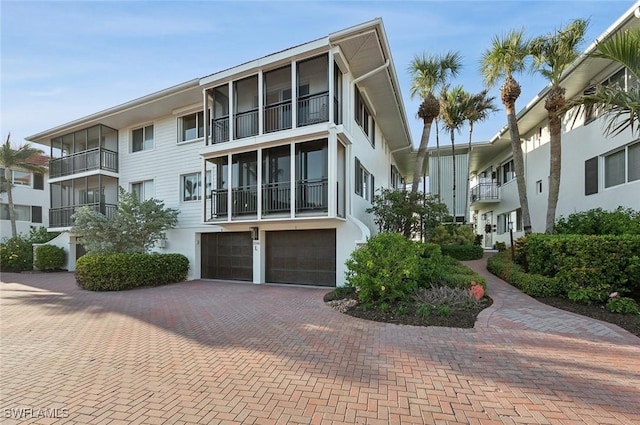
x=506, y=56
x=623, y=48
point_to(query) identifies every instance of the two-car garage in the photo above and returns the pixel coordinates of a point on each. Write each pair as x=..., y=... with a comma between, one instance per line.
x=305, y=257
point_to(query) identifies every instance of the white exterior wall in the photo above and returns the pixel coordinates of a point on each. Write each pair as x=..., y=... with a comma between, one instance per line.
x=26, y=195
x=445, y=163
x=581, y=143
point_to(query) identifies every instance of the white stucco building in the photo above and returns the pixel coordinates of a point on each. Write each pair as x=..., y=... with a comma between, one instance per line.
x=597, y=170
x=272, y=163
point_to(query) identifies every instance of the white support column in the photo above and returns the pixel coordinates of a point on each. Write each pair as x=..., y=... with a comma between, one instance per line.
x=260, y=103
x=332, y=90
x=293, y=180
x=333, y=172
x=204, y=190
x=259, y=184
x=229, y=186
x=294, y=95
x=205, y=117
x=231, y=117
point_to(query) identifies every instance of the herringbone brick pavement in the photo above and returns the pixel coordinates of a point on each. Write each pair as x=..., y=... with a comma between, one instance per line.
x=227, y=353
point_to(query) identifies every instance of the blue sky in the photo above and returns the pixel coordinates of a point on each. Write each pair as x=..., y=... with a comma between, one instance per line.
x=64, y=60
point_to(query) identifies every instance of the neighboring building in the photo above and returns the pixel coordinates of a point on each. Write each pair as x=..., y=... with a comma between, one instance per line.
x=440, y=170
x=272, y=163
x=30, y=200
x=597, y=171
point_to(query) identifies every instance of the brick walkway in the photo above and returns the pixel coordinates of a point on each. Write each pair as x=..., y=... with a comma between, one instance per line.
x=216, y=352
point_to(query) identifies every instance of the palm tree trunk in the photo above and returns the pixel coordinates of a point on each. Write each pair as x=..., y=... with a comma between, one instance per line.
x=554, y=103
x=421, y=155
x=12, y=213
x=453, y=156
x=466, y=192
x=518, y=162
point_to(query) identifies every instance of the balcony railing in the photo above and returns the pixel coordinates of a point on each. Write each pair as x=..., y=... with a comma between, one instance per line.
x=277, y=116
x=61, y=217
x=276, y=198
x=220, y=129
x=246, y=124
x=245, y=200
x=485, y=192
x=313, y=109
x=92, y=159
x=312, y=195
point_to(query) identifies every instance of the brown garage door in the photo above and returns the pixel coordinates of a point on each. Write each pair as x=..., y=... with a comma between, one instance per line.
x=227, y=255
x=306, y=257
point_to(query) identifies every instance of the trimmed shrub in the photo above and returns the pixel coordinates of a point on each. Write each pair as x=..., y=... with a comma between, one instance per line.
x=386, y=269
x=600, y=222
x=49, y=257
x=531, y=284
x=458, y=275
x=600, y=263
x=463, y=252
x=453, y=234
x=115, y=272
x=622, y=305
x=438, y=296
x=16, y=255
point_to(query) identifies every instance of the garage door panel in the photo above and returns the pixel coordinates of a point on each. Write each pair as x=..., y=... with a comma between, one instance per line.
x=227, y=255
x=301, y=257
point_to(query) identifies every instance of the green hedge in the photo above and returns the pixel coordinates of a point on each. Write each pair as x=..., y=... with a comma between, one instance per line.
x=49, y=257
x=16, y=255
x=603, y=264
x=114, y=272
x=463, y=252
x=534, y=285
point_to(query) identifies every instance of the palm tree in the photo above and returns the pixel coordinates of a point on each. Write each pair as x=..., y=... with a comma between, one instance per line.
x=428, y=73
x=620, y=105
x=507, y=56
x=453, y=104
x=479, y=106
x=12, y=159
x=552, y=55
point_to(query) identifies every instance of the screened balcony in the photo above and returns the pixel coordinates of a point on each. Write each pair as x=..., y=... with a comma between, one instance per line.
x=245, y=115
x=313, y=91
x=277, y=105
x=97, y=192
x=94, y=148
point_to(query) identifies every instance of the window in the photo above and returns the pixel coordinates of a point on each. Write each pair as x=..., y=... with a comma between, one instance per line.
x=18, y=178
x=396, y=178
x=508, y=172
x=191, y=187
x=21, y=212
x=539, y=186
x=634, y=162
x=364, y=182
x=191, y=126
x=364, y=118
x=143, y=190
x=38, y=181
x=373, y=188
x=142, y=139
x=36, y=214
x=614, y=169
x=591, y=176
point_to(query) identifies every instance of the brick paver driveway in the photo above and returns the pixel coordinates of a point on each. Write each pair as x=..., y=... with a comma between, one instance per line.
x=218, y=352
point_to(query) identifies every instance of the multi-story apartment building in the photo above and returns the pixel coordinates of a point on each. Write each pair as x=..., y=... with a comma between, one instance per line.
x=597, y=170
x=272, y=163
x=30, y=199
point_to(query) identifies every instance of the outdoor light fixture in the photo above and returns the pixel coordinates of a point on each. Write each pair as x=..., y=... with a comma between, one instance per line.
x=510, y=224
x=254, y=233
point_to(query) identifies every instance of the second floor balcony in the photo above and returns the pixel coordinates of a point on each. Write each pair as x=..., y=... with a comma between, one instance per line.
x=311, y=197
x=93, y=159
x=484, y=193
x=62, y=217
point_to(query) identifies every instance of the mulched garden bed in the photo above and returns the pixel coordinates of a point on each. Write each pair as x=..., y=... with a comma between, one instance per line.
x=625, y=321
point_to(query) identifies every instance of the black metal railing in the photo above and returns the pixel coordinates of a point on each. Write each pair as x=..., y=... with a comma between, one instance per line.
x=220, y=129
x=484, y=192
x=312, y=195
x=62, y=217
x=219, y=203
x=246, y=124
x=92, y=159
x=313, y=109
x=245, y=200
x=276, y=198
x=277, y=116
